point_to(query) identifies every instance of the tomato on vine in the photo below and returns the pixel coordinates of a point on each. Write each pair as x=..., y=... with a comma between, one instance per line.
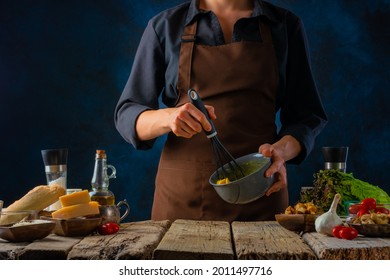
x=353, y=209
x=362, y=212
x=381, y=209
x=368, y=203
x=336, y=231
x=344, y=232
x=348, y=233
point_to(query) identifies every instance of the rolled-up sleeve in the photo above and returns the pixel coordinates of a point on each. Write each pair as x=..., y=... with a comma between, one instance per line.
x=302, y=114
x=142, y=90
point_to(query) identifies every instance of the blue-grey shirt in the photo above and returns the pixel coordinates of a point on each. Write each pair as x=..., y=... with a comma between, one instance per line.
x=155, y=69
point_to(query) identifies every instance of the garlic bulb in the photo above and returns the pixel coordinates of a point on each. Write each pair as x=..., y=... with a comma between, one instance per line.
x=327, y=221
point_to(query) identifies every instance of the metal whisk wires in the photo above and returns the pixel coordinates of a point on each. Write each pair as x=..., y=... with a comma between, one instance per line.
x=232, y=170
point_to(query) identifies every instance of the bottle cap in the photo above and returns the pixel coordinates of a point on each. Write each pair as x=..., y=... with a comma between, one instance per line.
x=55, y=157
x=101, y=154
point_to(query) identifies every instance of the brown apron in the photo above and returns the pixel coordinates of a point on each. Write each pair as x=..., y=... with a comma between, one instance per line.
x=240, y=80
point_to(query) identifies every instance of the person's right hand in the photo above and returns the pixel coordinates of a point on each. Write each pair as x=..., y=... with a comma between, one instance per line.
x=186, y=121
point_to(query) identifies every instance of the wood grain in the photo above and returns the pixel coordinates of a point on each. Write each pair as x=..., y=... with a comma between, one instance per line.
x=9, y=250
x=135, y=241
x=268, y=241
x=197, y=240
x=52, y=247
x=360, y=248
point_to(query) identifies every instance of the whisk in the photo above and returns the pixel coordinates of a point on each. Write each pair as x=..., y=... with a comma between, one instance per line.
x=221, y=154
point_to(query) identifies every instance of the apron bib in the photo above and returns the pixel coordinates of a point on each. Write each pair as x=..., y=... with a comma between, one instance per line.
x=240, y=80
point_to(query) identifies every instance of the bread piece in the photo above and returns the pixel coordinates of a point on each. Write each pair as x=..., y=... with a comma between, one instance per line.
x=38, y=198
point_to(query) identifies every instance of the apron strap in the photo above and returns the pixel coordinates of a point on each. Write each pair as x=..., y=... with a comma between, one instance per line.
x=265, y=32
x=185, y=61
x=186, y=49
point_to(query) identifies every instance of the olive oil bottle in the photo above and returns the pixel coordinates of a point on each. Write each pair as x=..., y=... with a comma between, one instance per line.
x=100, y=180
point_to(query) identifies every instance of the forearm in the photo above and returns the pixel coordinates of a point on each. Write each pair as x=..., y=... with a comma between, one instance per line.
x=184, y=121
x=288, y=147
x=151, y=124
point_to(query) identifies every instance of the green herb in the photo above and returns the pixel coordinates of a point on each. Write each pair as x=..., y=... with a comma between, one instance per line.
x=329, y=182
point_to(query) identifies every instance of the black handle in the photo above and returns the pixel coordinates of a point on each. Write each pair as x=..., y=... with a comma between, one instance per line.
x=198, y=103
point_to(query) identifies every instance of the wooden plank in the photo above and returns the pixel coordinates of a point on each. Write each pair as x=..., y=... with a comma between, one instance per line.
x=135, y=240
x=196, y=240
x=9, y=250
x=268, y=241
x=360, y=248
x=53, y=247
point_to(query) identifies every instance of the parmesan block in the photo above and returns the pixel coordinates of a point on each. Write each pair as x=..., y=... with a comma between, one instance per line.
x=78, y=210
x=81, y=197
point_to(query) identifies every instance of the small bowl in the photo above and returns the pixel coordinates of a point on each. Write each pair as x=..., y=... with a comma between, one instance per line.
x=26, y=231
x=248, y=188
x=372, y=230
x=12, y=217
x=297, y=222
x=75, y=227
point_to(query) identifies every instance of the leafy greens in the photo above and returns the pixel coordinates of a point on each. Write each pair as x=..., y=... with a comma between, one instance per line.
x=329, y=182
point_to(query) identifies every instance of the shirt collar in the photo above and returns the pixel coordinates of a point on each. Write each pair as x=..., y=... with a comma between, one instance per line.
x=258, y=10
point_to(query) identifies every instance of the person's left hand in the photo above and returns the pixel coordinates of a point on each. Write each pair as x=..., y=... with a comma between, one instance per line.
x=277, y=168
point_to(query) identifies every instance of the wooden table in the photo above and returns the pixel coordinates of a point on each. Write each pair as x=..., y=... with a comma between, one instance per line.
x=185, y=239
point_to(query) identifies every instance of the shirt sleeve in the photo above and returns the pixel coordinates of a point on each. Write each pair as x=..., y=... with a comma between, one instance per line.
x=302, y=114
x=142, y=90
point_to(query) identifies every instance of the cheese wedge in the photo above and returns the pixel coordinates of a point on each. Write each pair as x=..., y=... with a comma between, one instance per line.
x=81, y=197
x=78, y=210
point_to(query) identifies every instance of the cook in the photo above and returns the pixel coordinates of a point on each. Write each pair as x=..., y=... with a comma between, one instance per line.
x=249, y=61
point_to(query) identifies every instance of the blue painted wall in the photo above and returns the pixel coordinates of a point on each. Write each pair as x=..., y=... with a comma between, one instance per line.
x=63, y=65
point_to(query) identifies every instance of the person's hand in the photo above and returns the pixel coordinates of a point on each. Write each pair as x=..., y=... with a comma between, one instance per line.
x=186, y=121
x=277, y=168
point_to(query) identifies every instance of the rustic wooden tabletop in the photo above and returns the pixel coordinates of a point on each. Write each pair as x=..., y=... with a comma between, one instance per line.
x=200, y=240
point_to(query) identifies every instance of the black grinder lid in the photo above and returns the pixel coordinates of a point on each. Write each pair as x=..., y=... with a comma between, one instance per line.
x=55, y=156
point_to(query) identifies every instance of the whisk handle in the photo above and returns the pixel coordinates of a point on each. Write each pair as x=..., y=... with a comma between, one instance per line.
x=198, y=103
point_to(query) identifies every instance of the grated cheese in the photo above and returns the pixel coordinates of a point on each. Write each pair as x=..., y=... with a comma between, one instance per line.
x=31, y=222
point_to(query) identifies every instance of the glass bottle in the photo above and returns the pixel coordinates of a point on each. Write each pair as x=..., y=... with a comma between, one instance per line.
x=100, y=180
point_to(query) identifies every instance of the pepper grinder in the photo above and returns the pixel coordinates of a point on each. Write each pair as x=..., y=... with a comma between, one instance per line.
x=55, y=161
x=335, y=158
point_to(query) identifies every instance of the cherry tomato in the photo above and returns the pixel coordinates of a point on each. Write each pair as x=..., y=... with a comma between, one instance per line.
x=381, y=209
x=368, y=203
x=336, y=231
x=108, y=228
x=348, y=233
x=353, y=209
x=362, y=211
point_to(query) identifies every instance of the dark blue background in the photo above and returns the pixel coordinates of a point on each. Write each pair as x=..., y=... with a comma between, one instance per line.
x=63, y=66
